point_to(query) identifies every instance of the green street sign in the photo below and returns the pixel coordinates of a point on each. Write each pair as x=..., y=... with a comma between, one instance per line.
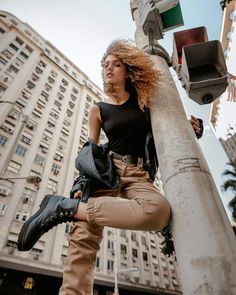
x=172, y=18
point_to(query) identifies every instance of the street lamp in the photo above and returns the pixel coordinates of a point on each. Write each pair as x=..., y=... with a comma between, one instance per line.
x=29, y=179
x=116, y=271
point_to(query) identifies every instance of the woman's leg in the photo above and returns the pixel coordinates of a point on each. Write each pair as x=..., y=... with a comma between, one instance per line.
x=84, y=240
x=142, y=206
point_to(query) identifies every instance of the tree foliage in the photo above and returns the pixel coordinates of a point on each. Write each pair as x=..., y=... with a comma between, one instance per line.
x=230, y=183
x=224, y=3
x=168, y=248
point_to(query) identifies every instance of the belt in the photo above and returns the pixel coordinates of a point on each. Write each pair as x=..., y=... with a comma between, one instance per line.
x=126, y=158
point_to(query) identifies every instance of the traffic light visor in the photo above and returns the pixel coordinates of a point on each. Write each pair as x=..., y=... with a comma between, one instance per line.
x=188, y=37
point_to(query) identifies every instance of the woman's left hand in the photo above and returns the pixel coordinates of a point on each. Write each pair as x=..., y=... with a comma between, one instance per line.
x=197, y=126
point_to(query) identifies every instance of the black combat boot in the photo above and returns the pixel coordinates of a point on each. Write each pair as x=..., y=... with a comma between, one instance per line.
x=53, y=210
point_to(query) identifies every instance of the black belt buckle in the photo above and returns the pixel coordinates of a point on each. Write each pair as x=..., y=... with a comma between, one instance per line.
x=128, y=159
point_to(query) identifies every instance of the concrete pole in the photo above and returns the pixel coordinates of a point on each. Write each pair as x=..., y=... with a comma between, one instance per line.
x=204, y=241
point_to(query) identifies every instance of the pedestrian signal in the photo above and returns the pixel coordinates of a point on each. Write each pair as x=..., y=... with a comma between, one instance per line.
x=200, y=65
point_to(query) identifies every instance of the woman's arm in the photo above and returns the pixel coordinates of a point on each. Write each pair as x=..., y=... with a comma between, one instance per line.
x=95, y=122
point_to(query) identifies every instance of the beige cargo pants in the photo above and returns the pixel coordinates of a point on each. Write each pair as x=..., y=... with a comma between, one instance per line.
x=135, y=205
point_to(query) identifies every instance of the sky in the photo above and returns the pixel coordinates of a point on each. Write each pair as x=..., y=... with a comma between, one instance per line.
x=82, y=30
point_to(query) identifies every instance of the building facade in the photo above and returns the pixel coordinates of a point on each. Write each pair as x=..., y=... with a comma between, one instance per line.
x=45, y=101
x=223, y=110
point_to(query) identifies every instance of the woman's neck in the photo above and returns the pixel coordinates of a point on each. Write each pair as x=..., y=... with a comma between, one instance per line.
x=120, y=95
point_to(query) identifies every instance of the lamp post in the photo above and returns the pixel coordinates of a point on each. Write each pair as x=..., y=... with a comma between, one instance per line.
x=29, y=179
x=116, y=270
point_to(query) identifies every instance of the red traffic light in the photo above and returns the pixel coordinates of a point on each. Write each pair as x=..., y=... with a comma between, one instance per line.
x=187, y=37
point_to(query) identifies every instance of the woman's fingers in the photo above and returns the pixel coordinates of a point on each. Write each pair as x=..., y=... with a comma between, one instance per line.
x=77, y=194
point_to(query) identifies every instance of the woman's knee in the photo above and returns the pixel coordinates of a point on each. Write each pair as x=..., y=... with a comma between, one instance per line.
x=157, y=211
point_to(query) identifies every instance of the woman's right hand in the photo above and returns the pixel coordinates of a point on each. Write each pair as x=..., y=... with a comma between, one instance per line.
x=77, y=194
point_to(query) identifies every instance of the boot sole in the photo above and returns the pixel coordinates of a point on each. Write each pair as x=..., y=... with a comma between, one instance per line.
x=20, y=244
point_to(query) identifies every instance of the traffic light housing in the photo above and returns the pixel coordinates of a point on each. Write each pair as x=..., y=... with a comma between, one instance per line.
x=200, y=65
x=159, y=16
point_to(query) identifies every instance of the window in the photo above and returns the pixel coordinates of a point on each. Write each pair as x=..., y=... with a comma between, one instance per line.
x=123, y=233
x=14, y=167
x=123, y=249
x=68, y=228
x=3, y=140
x=8, y=127
x=26, y=138
x=25, y=56
x=75, y=91
x=58, y=157
x=13, y=46
x=39, y=160
x=145, y=256
x=134, y=253
x=3, y=207
x=13, y=115
x=64, y=82
x=110, y=245
x=42, y=64
x=57, y=104
x=52, y=185
x=55, y=169
x=69, y=113
x=19, y=41
x=18, y=214
x=38, y=70
x=51, y=124
x=73, y=97
x=25, y=215
x=51, y=80
x=28, y=195
x=21, y=215
x=97, y=262
x=20, y=150
x=53, y=73
x=110, y=265
x=47, y=134
x=133, y=236
x=13, y=69
x=44, y=147
x=62, y=89
x=3, y=61
x=30, y=85
x=143, y=240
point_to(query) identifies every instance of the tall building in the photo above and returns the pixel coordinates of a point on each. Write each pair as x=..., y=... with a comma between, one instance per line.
x=45, y=100
x=223, y=113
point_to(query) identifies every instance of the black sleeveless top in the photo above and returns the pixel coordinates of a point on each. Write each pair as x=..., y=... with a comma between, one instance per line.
x=125, y=127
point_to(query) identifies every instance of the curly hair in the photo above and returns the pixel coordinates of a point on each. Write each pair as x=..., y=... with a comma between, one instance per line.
x=142, y=80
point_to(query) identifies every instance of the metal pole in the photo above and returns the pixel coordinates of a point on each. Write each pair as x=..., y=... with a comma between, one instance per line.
x=204, y=241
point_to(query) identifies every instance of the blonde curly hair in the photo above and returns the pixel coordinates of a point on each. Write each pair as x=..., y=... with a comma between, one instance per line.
x=142, y=80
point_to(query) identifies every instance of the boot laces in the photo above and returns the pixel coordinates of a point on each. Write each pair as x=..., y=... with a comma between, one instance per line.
x=56, y=218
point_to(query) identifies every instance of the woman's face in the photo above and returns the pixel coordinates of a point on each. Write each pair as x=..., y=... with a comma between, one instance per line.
x=114, y=70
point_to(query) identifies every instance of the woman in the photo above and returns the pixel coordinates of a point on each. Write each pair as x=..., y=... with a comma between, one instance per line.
x=136, y=204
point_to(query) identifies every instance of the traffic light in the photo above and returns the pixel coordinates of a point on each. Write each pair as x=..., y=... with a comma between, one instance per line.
x=200, y=65
x=184, y=38
x=159, y=16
